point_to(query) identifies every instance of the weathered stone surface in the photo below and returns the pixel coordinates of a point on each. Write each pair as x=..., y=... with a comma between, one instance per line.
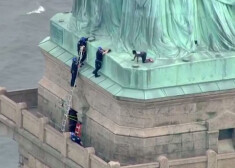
x=163, y=162
x=212, y=140
x=188, y=146
x=212, y=159
x=19, y=118
x=188, y=137
x=2, y=90
x=114, y=164
x=222, y=121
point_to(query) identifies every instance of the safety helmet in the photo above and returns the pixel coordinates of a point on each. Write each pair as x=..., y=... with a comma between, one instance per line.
x=74, y=59
x=100, y=48
x=83, y=39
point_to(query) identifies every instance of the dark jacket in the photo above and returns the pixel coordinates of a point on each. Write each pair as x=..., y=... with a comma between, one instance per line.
x=74, y=67
x=99, y=55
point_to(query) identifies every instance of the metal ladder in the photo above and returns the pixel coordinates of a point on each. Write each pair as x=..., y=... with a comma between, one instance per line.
x=68, y=102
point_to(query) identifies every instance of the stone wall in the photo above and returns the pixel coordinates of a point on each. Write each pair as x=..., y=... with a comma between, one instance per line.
x=133, y=113
x=39, y=143
x=128, y=149
x=29, y=96
x=42, y=146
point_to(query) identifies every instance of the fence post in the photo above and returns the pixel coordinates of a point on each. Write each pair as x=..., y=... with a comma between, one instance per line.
x=64, y=151
x=212, y=140
x=43, y=122
x=19, y=108
x=113, y=164
x=212, y=159
x=90, y=150
x=2, y=92
x=163, y=161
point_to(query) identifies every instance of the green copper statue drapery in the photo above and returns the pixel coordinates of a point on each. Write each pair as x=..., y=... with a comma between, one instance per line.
x=166, y=27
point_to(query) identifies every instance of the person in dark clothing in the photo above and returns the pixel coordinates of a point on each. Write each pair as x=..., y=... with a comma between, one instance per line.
x=81, y=47
x=75, y=138
x=99, y=59
x=72, y=120
x=74, y=71
x=138, y=54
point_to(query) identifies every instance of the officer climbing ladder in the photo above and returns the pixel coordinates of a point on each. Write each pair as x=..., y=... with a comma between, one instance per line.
x=68, y=103
x=76, y=64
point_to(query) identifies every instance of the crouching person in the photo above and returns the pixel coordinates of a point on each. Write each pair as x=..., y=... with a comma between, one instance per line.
x=143, y=56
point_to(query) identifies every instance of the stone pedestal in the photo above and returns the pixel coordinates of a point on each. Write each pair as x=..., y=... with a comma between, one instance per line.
x=134, y=131
x=163, y=161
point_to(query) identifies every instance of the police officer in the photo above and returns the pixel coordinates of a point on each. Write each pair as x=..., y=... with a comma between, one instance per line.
x=81, y=47
x=99, y=59
x=74, y=71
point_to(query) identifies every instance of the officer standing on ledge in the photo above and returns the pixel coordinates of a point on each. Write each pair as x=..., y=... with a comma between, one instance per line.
x=99, y=59
x=81, y=47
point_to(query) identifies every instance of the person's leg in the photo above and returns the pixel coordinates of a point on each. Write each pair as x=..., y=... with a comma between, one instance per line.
x=98, y=68
x=72, y=120
x=84, y=55
x=78, y=140
x=144, y=58
x=72, y=127
x=73, y=79
x=95, y=71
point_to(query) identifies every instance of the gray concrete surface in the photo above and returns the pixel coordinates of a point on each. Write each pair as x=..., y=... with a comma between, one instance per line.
x=21, y=63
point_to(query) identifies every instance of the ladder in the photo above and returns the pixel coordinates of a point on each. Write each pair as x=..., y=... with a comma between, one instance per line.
x=68, y=102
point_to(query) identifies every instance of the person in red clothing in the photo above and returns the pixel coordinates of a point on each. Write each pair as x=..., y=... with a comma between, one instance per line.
x=78, y=129
x=76, y=136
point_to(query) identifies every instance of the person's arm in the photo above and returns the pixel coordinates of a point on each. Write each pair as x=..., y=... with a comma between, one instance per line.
x=106, y=51
x=79, y=65
x=134, y=58
x=82, y=47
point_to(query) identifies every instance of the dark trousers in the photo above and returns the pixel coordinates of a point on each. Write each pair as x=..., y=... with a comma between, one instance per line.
x=144, y=57
x=76, y=139
x=72, y=120
x=73, y=79
x=98, y=65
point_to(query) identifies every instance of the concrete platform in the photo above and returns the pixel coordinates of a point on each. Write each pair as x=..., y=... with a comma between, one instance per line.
x=124, y=92
x=132, y=130
x=202, y=66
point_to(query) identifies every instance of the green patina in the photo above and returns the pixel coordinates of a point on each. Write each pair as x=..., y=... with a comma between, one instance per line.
x=194, y=69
